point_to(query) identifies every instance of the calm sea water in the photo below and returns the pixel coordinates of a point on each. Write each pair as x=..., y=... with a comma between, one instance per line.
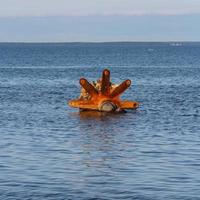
x=51, y=151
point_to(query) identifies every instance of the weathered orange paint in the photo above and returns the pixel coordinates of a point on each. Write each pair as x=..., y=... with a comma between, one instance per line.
x=106, y=94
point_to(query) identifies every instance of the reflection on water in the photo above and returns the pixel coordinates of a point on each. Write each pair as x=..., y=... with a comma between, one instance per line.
x=99, y=115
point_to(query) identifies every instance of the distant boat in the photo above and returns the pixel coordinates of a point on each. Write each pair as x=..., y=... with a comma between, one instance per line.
x=175, y=44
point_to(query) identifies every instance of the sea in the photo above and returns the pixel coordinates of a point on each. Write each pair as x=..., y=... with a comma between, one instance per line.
x=51, y=151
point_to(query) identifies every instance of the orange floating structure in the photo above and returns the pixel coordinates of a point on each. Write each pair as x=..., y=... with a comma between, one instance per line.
x=103, y=95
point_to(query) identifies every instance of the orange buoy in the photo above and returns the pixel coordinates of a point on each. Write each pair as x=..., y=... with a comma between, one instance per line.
x=103, y=95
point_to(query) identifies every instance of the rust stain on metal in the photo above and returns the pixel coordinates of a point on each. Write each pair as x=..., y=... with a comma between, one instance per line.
x=103, y=95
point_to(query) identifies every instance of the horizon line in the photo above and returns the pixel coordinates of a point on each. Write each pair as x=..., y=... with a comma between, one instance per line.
x=97, y=42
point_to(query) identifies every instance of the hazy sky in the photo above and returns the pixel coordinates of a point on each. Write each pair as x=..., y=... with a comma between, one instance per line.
x=100, y=7
x=99, y=20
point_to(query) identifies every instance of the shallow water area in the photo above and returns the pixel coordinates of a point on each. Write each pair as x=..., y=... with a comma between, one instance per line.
x=51, y=151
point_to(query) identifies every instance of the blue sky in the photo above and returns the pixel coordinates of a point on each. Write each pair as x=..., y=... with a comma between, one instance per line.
x=99, y=20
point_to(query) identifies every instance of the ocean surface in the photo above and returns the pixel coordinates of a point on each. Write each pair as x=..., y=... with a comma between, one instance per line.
x=51, y=151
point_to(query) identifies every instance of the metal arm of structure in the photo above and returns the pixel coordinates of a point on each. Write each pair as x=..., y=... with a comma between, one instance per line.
x=106, y=98
x=88, y=87
x=105, y=86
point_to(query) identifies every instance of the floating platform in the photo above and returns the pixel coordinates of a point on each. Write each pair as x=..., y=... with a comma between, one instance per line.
x=105, y=97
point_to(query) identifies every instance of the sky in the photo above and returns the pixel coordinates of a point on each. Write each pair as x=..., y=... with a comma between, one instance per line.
x=99, y=20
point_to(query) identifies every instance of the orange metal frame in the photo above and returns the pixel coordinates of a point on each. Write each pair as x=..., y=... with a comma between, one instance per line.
x=105, y=94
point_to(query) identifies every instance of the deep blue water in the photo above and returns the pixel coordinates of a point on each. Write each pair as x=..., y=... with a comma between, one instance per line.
x=51, y=151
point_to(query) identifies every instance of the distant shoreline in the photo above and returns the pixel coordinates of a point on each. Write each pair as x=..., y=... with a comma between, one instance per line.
x=109, y=42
